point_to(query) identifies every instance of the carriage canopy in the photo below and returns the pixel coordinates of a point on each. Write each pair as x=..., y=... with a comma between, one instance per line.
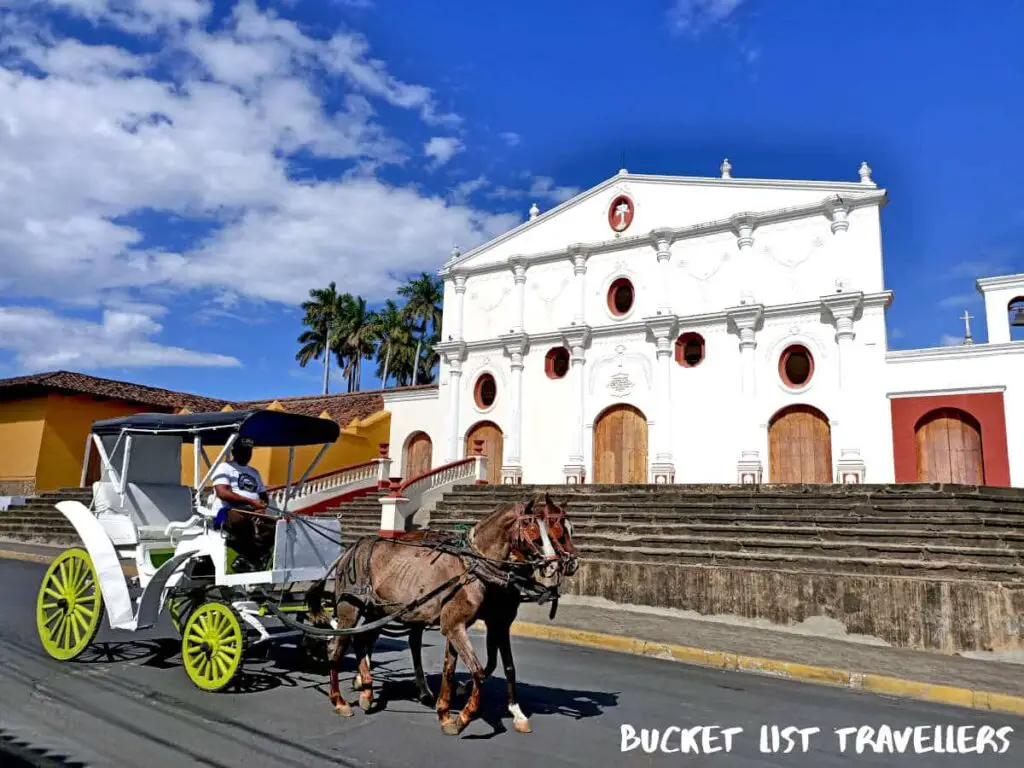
x=265, y=428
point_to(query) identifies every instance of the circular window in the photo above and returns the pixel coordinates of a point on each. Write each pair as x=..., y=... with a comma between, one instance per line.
x=796, y=366
x=620, y=297
x=690, y=350
x=556, y=362
x=486, y=391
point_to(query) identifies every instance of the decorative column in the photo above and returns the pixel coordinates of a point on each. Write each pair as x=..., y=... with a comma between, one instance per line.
x=663, y=244
x=843, y=308
x=576, y=338
x=744, y=322
x=662, y=328
x=743, y=227
x=515, y=347
x=837, y=209
x=383, y=466
x=460, y=295
x=519, y=279
x=579, y=271
x=453, y=353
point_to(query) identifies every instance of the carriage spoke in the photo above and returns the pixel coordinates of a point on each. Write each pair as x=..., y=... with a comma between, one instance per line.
x=212, y=644
x=68, y=605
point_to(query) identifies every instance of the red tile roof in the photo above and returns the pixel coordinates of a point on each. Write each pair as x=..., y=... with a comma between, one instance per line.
x=82, y=384
x=342, y=408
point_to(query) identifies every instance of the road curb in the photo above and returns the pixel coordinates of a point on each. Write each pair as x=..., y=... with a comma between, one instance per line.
x=788, y=670
x=33, y=557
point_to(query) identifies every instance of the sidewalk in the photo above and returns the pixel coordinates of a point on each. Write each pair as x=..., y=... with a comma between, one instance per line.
x=812, y=658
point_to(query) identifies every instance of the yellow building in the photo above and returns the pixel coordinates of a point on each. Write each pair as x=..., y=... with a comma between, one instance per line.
x=45, y=420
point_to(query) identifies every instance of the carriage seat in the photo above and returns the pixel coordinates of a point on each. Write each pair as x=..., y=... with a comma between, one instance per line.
x=151, y=506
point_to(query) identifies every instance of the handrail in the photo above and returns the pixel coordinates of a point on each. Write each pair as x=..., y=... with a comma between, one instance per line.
x=366, y=471
x=412, y=481
x=322, y=475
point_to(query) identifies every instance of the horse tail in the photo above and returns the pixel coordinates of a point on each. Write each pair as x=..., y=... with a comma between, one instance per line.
x=315, y=594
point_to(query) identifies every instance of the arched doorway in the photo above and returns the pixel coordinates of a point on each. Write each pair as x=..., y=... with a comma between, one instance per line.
x=620, y=446
x=799, y=446
x=494, y=447
x=419, y=451
x=949, y=448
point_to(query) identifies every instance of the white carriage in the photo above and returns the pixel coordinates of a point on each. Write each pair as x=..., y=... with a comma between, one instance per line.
x=143, y=515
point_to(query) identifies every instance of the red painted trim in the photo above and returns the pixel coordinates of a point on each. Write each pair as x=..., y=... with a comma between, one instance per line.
x=390, y=534
x=986, y=408
x=411, y=480
x=336, y=501
x=784, y=358
x=480, y=482
x=324, y=474
x=613, y=288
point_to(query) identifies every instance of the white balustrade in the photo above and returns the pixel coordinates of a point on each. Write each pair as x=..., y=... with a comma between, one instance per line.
x=318, y=489
x=423, y=492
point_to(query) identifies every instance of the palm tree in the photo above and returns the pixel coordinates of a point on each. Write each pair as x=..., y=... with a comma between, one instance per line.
x=430, y=356
x=391, y=331
x=423, y=296
x=321, y=315
x=355, y=338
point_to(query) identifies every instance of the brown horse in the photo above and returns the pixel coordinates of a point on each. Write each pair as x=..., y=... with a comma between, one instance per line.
x=376, y=577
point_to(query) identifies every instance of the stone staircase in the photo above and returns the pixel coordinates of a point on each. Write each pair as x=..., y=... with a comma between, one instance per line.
x=38, y=521
x=926, y=566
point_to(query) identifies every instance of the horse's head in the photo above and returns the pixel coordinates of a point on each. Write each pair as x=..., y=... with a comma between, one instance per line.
x=545, y=536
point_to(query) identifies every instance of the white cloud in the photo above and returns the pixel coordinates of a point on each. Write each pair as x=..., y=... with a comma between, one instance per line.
x=441, y=149
x=465, y=189
x=693, y=16
x=42, y=340
x=951, y=341
x=510, y=138
x=541, y=188
x=141, y=17
x=896, y=333
x=960, y=301
x=108, y=152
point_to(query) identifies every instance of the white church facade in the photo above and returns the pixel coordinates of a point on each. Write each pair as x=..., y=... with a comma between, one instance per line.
x=659, y=329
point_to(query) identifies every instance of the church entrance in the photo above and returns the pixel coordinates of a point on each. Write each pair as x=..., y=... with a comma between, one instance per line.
x=419, y=451
x=620, y=446
x=949, y=448
x=799, y=446
x=494, y=446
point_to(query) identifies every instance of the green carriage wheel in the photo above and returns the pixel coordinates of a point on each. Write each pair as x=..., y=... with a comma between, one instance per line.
x=212, y=646
x=69, y=607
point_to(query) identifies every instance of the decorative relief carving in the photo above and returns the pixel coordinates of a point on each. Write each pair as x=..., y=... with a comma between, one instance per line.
x=620, y=370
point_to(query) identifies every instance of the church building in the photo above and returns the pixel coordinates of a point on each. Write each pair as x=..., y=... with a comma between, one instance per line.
x=665, y=329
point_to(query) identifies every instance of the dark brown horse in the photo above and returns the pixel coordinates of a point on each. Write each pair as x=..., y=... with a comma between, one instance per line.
x=375, y=577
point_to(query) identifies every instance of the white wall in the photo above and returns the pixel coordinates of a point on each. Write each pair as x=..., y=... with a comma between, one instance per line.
x=414, y=410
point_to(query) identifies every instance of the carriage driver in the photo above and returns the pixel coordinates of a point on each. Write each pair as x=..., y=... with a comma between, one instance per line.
x=240, y=487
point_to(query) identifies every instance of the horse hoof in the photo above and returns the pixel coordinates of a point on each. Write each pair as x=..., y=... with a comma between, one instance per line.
x=427, y=699
x=522, y=726
x=366, y=701
x=343, y=710
x=357, y=682
x=451, y=727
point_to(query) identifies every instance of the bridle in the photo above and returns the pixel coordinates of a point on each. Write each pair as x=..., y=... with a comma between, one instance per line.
x=547, y=528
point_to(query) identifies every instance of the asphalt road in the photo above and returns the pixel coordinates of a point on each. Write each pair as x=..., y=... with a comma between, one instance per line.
x=131, y=704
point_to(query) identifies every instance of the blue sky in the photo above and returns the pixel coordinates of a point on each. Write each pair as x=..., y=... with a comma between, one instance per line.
x=176, y=174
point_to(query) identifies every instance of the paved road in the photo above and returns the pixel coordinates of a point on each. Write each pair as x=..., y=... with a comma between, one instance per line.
x=130, y=704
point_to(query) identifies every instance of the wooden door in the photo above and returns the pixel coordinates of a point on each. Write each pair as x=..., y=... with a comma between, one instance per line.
x=949, y=448
x=494, y=446
x=418, y=454
x=800, y=446
x=620, y=446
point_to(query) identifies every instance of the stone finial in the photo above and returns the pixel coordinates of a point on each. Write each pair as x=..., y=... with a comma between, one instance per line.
x=725, y=168
x=865, y=173
x=478, y=447
x=534, y=212
x=382, y=450
x=456, y=252
x=623, y=171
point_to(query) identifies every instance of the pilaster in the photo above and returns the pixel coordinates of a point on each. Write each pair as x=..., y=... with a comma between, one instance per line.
x=744, y=322
x=519, y=281
x=662, y=239
x=663, y=329
x=578, y=255
x=459, y=280
x=453, y=353
x=843, y=307
x=576, y=338
x=516, y=346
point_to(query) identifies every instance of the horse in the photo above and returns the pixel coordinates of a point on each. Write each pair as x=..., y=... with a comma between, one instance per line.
x=498, y=612
x=375, y=576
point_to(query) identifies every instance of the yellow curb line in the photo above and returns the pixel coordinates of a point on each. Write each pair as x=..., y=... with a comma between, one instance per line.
x=31, y=557
x=788, y=670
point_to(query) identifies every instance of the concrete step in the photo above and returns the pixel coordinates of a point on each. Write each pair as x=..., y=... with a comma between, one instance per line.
x=583, y=531
x=708, y=514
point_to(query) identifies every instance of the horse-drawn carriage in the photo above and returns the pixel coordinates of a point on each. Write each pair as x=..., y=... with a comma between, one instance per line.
x=143, y=515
